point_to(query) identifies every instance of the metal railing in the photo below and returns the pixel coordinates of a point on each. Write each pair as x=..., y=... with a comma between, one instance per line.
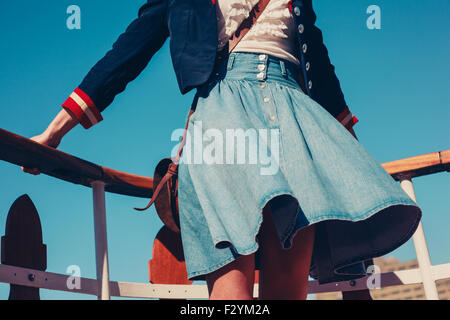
x=24, y=152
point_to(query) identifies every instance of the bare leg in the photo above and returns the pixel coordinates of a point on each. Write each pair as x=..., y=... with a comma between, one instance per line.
x=284, y=273
x=234, y=281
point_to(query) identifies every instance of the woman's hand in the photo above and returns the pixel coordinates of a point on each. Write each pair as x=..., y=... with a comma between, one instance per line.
x=53, y=135
x=45, y=139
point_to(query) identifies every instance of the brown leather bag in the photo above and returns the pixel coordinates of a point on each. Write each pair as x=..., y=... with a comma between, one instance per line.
x=165, y=178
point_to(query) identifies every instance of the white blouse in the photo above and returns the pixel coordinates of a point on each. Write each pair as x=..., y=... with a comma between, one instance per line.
x=273, y=33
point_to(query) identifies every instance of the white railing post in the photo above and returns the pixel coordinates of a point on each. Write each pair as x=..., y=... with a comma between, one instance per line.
x=420, y=244
x=101, y=241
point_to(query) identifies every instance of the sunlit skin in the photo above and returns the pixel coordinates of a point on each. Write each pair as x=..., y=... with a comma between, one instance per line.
x=283, y=274
x=56, y=130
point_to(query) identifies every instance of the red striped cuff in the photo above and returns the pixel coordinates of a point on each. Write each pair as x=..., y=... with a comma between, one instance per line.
x=83, y=108
x=347, y=119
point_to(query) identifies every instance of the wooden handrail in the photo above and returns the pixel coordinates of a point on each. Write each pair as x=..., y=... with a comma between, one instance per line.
x=25, y=152
x=419, y=165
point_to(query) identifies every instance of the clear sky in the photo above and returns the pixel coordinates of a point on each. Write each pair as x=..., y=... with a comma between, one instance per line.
x=395, y=80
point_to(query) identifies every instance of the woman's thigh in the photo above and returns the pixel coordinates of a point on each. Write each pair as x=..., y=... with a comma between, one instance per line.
x=234, y=281
x=284, y=273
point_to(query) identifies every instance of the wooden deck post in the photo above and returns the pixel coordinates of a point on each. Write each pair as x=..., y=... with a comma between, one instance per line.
x=22, y=245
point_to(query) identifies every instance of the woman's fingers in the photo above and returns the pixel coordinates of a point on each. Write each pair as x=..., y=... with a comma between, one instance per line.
x=43, y=139
x=33, y=171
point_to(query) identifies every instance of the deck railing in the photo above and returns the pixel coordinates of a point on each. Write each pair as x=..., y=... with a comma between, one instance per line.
x=24, y=152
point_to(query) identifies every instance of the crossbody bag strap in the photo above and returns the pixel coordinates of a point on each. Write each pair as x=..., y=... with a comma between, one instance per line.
x=240, y=32
x=247, y=24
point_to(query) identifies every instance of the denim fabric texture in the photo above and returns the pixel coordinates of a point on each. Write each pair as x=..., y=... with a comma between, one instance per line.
x=324, y=176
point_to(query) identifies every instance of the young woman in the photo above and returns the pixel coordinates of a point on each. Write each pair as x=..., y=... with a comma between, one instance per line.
x=320, y=206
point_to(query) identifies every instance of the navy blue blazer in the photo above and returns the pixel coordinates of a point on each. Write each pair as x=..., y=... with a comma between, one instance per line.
x=192, y=29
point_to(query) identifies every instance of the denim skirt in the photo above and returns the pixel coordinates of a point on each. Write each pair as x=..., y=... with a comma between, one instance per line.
x=257, y=139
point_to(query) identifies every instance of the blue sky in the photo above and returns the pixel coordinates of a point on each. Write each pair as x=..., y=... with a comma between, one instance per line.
x=395, y=80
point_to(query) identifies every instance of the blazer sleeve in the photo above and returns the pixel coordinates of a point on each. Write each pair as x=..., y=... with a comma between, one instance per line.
x=129, y=55
x=327, y=89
